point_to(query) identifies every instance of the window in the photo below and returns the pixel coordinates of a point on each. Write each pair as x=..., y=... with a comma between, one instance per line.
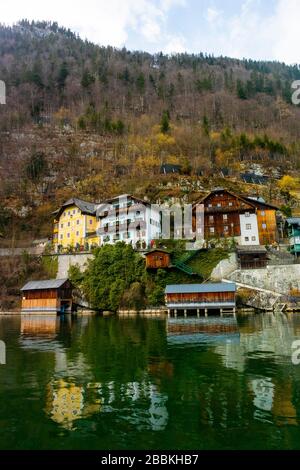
x=69, y=213
x=212, y=230
x=247, y=214
x=91, y=221
x=262, y=213
x=226, y=228
x=77, y=234
x=69, y=223
x=248, y=226
x=246, y=239
x=230, y=204
x=74, y=211
x=209, y=205
x=254, y=239
x=61, y=225
x=219, y=204
x=211, y=219
x=61, y=237
x=68, y=235
x=264, y=226
x=225, y=217
x=78, y=222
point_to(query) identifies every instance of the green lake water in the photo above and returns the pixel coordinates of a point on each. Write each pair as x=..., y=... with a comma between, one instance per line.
x=149, y=383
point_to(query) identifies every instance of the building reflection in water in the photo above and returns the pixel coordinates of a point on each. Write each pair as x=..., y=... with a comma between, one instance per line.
x=202, y=330
x=73, y=395
x=68, y=402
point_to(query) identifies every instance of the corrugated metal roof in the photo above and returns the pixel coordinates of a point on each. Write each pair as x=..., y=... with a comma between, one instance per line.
x=251, y=249
x=41, y=285
x=200, y=288
x=293, y=220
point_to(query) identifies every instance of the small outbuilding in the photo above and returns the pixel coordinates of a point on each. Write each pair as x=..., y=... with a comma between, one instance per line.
x=158, y=259
x=252, y=257
x=52, y=297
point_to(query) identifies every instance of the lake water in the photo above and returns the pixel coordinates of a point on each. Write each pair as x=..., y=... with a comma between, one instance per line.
x=149, y=383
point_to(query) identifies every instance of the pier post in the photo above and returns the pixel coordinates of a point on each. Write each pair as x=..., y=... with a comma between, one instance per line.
x=175, y=313
x=206, y=312
x=198, y=313
x=221, y=312
x=169, y=313
x=185, y=313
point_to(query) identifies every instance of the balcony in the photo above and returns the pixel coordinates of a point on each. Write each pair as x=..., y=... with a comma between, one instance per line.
x=55, y=228
x=122, y=227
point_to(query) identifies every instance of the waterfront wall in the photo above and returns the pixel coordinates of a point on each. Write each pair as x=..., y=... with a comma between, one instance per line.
x=279, y=279
x=65, y=261
x=225, y=268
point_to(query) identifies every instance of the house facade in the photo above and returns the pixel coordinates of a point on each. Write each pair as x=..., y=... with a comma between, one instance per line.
x=250, y=221
x=293, y=230
x=128, y=219
x=75, y=225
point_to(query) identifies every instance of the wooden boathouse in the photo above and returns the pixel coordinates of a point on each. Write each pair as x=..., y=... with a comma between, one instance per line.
x=201, y=298
x=51, y=297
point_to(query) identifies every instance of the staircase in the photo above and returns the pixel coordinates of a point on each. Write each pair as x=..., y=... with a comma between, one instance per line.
x=181, y=263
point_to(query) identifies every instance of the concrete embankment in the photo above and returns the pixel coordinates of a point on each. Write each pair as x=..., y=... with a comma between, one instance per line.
x=66, y=261
x=264, y=288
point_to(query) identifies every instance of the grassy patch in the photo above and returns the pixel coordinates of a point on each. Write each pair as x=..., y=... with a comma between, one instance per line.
x=205, y=261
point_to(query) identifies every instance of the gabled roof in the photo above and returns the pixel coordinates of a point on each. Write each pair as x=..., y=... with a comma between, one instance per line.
x=155, y=250
x=103, y=205
x=44, y=285
x=85, y=206
x=200, y=288
x=169, y=168
x=260, y=204
x=221, y=190
x=253, y=178
x=253, y=202
x=293, y=220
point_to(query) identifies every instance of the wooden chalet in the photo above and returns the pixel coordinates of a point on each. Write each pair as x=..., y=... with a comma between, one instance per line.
x=158, y=259
x=252, y=257
x=251, y=221
x=201, y=297
x=52, y=296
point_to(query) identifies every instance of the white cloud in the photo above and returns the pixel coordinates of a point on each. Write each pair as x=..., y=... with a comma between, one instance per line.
x=252, y=34
x=175, y=44
x=212, y=15
x=101, y=21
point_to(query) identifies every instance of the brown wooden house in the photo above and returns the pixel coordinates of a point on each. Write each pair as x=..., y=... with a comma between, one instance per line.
x=208, y=296
x=52, y=296
x=252, y=257
x=158, y=259
x=227, y=215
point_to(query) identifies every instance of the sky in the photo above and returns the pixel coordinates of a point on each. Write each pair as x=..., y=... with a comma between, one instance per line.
x=258, y=29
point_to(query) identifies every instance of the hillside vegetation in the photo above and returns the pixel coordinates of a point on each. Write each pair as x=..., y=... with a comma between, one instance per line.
x=91, y=121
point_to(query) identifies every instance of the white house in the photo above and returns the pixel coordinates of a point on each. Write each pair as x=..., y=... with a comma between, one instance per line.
x=128, y=219
x=249, y=229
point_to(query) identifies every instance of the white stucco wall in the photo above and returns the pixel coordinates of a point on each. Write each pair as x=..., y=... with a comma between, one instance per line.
x=252, y=234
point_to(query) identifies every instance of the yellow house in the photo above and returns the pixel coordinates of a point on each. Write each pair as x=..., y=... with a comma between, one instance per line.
x=75, y=226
